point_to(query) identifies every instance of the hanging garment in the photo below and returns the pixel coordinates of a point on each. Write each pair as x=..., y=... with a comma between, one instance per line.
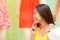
x=4, y=17
x=26, y=13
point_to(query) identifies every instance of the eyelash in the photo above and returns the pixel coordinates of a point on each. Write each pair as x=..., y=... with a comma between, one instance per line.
x=34, y=13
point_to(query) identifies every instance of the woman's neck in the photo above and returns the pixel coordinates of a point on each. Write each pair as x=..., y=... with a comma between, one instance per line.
x=44, y=25
x=43, y=28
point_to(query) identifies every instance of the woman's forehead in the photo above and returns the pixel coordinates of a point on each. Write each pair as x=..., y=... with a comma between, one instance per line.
x=35, y=10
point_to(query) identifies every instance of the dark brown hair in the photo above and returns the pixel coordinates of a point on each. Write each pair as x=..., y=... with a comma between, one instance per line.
x=45, y=13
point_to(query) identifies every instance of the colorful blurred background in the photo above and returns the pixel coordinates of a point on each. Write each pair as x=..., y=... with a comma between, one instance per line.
x=16, y=33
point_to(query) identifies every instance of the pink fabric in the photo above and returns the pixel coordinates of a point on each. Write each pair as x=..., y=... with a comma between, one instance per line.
x=4, y=17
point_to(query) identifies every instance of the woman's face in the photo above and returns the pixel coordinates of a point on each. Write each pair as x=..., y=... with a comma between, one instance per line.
x=37, y=17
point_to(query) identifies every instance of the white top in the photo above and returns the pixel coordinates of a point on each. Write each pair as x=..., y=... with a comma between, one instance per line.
x=54, y=34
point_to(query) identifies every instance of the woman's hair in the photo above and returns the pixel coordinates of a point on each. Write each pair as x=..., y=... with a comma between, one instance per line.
x=45, y=13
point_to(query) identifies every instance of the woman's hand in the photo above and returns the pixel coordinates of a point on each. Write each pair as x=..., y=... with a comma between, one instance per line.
x=51, y=27
x=33, y=28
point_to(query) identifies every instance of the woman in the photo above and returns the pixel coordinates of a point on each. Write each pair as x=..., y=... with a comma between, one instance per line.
x=44, y=21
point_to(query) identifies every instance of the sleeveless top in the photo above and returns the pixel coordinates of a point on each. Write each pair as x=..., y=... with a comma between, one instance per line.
x=45, y=37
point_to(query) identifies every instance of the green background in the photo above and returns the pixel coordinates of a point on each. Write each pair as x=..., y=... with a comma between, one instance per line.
x=14, y=32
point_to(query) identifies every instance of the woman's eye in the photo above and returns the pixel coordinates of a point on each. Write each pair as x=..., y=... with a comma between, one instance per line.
x=34, y=12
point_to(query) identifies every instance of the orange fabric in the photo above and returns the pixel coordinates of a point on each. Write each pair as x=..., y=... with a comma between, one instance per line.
x=26, y=13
